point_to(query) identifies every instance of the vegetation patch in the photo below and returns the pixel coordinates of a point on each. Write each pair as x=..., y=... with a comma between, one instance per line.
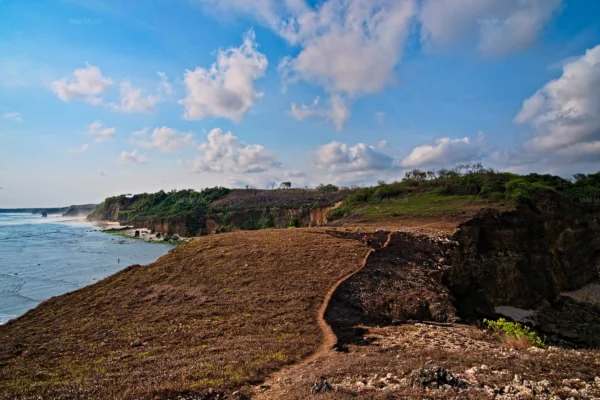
x=339, y=212
x=515, y=334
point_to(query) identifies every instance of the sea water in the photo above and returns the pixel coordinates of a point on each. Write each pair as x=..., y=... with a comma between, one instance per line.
x=45, y=257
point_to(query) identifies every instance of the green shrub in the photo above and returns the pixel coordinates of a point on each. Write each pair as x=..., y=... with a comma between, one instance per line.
x=327, y=188
x=339, y=212
x=294, y=222
x=266, y=221
x=515, y=330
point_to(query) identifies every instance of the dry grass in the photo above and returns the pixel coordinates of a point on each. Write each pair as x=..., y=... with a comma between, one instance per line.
x=220, y=312
x=520, y=343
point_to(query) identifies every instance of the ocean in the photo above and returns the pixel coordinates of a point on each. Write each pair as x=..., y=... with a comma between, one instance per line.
x=45, y=257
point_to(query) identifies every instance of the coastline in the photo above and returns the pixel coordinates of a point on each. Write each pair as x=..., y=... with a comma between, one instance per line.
x=145, y=234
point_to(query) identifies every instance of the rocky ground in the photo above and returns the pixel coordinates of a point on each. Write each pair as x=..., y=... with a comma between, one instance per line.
x=442, y=362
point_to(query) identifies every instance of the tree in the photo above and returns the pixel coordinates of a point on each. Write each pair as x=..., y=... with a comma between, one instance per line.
x=415, y=175
x=381, y=182
x=327, y=188
x=285, y=185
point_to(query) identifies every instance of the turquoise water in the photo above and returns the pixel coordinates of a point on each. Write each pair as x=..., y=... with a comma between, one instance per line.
x=45, y=257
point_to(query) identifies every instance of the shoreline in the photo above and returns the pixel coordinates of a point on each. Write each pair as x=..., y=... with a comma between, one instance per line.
x=145, y=234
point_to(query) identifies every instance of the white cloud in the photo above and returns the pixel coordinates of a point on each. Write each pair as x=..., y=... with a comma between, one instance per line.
x=165, y=139
x=164, y=86
x=224, y=152
x=565, y=112
x=101, y=133
x=338, y=112
x=226, y=89
x=131, y=158
x=295, y=174
x=82, y=149
x=134, y=100
x=13, y=116
x=88, y=85
x=140, y=133
x=347, y=46
x=498, y=27
x=445, y=152
x=339, y=157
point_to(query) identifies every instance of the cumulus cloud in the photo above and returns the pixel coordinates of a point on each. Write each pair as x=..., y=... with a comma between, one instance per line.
x=101, y=133
x=224, y=152
x=226, y=89
x=347, y=46
x=88, y=85
x=134, y=100
x=140, y=133
x=565, y=112
x=445, y=151
x=498, y=27
x=164, y=86
x=339, y=157
x=131, y=158
x=12, y=116
x=82, y=149
x=165, y=139
x=338, y=112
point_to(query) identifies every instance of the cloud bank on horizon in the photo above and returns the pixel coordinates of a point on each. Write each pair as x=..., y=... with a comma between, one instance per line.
x=231, y=92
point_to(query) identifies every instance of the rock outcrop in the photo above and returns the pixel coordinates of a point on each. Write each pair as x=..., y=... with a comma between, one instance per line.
x=524, y=257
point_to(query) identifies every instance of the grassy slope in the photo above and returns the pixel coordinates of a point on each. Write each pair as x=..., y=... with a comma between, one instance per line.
x=220, y=312
x=425, y=203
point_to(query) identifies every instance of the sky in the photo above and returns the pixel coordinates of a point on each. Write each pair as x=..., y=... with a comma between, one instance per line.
x=106, y=97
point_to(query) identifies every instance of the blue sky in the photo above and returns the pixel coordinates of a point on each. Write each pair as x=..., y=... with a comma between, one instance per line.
x=95, y=99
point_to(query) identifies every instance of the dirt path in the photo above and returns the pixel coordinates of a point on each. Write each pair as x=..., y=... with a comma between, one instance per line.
x=274, y=387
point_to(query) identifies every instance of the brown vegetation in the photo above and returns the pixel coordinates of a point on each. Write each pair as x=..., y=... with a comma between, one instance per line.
x=220, y=312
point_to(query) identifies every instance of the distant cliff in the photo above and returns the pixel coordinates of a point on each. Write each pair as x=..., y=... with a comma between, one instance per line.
x=191, y=213
x=71, y=211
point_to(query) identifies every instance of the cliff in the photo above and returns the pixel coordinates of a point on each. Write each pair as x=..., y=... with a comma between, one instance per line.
x=248, y=209
x=526, y=256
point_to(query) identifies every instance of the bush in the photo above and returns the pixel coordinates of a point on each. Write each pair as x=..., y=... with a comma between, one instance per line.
x=512, y=331
x=339, y=212
x=327, y=188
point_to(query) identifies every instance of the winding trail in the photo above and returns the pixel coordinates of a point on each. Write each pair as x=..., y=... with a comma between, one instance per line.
x=275, y=384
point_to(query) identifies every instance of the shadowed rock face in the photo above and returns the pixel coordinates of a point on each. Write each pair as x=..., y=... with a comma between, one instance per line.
x=395, y=286
x=524, y=257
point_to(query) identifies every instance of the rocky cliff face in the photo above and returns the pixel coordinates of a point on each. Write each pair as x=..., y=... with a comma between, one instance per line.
x=524, y=257
x=110, y=208
x=251, y=219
